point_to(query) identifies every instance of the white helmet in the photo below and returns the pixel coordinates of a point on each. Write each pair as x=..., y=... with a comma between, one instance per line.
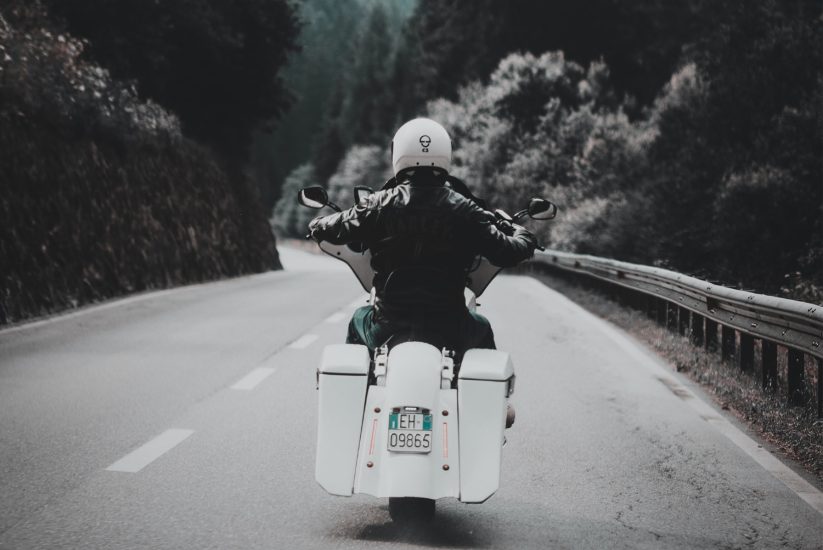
x=421, y=142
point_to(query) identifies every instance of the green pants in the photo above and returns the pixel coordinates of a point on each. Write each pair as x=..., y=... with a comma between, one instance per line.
x=460, y=332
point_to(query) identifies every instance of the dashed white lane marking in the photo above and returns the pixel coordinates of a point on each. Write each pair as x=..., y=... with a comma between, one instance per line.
x=799, y=486
x=304, y=341
x=151, y=451
x=336, y=317
x=252, y=379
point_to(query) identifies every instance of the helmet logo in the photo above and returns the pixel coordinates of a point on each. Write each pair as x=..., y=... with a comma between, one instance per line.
x=425, y=141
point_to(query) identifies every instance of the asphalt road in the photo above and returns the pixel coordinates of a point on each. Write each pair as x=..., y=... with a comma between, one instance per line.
x=186, y=419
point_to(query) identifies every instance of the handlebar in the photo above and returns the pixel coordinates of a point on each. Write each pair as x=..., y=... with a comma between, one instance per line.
x=505, y=223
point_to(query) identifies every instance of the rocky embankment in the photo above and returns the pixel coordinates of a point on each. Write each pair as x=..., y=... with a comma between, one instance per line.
x=84, y=219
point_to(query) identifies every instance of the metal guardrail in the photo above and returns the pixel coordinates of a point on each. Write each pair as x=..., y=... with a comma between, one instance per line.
x=698, y=308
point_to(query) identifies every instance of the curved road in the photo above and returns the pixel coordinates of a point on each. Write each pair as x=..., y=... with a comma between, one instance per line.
x=186, y=419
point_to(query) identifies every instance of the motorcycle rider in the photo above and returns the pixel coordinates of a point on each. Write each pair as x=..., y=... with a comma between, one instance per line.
x=424, y=231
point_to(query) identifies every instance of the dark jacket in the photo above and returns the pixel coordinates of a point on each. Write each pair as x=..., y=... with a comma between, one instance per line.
x=424, y=237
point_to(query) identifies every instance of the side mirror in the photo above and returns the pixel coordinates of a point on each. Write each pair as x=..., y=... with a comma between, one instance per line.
x=313, y=197
x=541, y=209
x=361, y=193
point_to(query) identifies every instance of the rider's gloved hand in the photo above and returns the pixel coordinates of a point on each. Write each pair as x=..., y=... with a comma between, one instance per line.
x=505, y=226
x=523, y=234
x=314, y=226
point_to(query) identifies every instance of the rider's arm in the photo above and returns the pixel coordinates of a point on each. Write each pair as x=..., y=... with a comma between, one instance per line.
x=500, y=249
x=342, y=227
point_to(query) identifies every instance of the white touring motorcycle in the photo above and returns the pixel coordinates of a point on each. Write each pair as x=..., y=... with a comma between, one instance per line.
x=400, y=424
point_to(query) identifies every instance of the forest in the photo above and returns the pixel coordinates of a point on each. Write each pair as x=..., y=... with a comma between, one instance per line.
x=685, y=135
x=150, y=144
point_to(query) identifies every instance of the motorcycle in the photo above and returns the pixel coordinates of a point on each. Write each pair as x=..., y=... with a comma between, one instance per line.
x=408, y=423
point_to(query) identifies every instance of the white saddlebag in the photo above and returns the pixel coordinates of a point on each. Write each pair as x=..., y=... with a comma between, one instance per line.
x=483, y=386
x=342, y=384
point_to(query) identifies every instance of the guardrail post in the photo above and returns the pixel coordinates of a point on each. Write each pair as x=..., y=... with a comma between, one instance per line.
x=796, y=378
x=639, y=301
x=650, y=307
x=768, y=357
x=632, y=299
x=626, y=298
x=684, y=316
x=746, y=352
x=661, y=312
x=671, y=316
x=711, y=334
x=727, y=343
x=663, y=295
x=819, y=387
x=697, y=329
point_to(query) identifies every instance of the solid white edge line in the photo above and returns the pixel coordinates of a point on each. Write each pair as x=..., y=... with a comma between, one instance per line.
x=793, y=481
x=253, y=379
x=151, y=451
x=304, y=341
x=122, y=301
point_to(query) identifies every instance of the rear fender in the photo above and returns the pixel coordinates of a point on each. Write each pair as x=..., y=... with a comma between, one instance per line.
x=412, y=380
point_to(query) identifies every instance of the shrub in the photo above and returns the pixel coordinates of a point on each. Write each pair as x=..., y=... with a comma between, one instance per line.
x=45, y=72
x=544, y=126
x=100, y=194
x=289, y=218
x=362, y=165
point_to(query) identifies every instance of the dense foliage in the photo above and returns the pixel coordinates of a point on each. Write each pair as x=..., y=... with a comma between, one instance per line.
x=545, y=126
x=687, y=136
x=287, y=219
x=339, y=80
x=101, y=193
x=215, y=64
x=453, y=42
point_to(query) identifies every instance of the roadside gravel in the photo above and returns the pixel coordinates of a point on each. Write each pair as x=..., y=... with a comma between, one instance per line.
x=795, y=431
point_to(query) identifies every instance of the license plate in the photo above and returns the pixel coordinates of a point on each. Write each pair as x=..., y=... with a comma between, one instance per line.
x=410, y=431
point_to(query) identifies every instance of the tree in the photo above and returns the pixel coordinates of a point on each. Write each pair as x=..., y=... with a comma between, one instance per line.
x=313, y=75
x=367, y=114
x=363, y=165
x=453, y=42
x=320, y=76
x=546, y=126
x=215, y=64
x=289, y=218
x=763, y=63
x=734, y=174
x=101, y=194
x=329, y=146
x=366, y=104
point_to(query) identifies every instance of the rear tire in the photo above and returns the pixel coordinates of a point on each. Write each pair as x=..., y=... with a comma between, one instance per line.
x=411, y=509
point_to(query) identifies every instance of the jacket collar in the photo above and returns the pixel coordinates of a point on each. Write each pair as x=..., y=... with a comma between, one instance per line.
x=423, y=177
